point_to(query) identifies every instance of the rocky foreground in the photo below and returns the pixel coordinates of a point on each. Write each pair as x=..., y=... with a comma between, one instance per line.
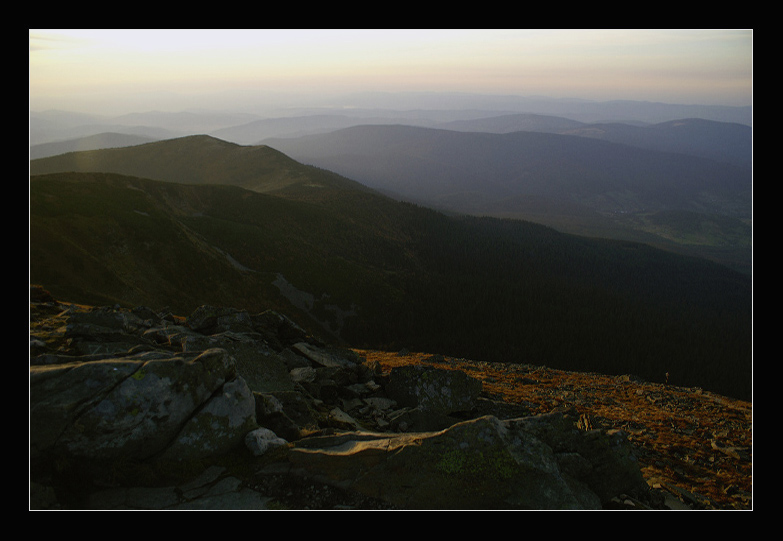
x=693, y=444
x=132, y=409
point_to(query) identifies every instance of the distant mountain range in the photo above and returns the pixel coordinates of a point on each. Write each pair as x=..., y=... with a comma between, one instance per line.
x=720, y=141
x=598, y=197
x=197, y=220
x=91, y=142
x=429, y=164
x=416, y=109
x=583, y=110
x=588, y=184
x=58, y=126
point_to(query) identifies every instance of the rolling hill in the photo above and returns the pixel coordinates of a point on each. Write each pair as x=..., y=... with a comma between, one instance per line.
x=720, y=141
x=196, y=159
x=255, y=131
x=215, y=223
x=576, y=184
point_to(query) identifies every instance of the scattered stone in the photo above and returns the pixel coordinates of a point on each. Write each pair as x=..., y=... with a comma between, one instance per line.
x=261, y=440
x=121, y=400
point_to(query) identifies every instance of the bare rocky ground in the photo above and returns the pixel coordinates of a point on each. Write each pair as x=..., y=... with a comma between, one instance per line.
x=694, y=445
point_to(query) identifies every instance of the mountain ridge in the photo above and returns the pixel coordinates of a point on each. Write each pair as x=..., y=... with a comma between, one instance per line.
x=720, y=141
x=625, y=188
x=192, y=159
x=531, y=152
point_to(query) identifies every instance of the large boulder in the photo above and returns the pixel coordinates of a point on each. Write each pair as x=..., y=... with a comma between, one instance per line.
x=134, y=409
x=429, y=397
x=218, y=427
x=432, y=389
x=260, y=366
x=270, y=326
x=602, y=459
x=482, y=463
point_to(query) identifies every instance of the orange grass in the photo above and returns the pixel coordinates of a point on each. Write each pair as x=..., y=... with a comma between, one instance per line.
x=685, y=437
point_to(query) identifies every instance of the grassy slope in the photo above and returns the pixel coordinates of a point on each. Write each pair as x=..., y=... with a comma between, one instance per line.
x=197, y=159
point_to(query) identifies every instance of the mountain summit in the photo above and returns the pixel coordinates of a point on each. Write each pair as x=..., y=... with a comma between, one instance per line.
x=195, y=159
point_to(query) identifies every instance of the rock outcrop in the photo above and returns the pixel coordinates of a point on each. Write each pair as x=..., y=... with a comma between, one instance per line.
x=137, y=409
x=483, y=463
x=114, y=389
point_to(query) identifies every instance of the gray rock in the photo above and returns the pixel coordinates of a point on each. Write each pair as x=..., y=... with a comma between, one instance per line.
x=261, y=440
x=418, y=420
x=483, y=463
x=613, y=467
x=116, y=388
x=174, y=336
x=279, y=330
x=212, y=490
x=129, y=408
x=295, y=406
x=242, y=499
x=321, y=357
x=259, y=366
x=210, y=320
x=218, y=427
x=380, y=403
x=432, y=389
x=271, y=414
x=303, y=374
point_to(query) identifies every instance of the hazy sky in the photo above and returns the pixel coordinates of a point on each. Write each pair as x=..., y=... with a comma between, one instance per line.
x=124, y=70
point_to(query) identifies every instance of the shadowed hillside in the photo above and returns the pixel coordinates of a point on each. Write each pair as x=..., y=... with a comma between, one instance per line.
x=352, y=264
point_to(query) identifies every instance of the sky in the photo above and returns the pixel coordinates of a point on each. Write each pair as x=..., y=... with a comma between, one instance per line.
x=126, y=70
